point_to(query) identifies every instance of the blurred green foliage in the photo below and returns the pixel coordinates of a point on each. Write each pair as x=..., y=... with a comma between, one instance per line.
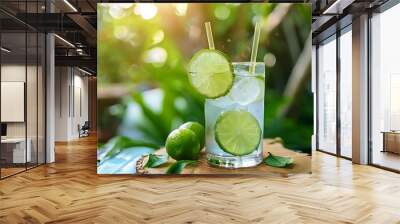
x=143, y=50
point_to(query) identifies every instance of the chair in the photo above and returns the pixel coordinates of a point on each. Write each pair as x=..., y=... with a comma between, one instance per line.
x=84, y=130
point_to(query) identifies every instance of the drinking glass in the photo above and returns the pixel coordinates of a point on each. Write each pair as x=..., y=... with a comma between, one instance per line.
x=246, y=94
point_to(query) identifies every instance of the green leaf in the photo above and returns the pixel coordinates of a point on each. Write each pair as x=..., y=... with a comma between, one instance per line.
x=117, y=144
x=156, y=160
x=154, y=119
x=178, y=166
x=100, y=145
x=278, y=161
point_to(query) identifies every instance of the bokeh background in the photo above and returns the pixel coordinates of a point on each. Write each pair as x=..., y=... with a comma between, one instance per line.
x=143, y=49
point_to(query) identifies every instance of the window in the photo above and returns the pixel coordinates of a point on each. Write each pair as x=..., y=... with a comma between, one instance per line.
x=327, y=96
x=385, y=89
x=346, y=93
x=22, y=78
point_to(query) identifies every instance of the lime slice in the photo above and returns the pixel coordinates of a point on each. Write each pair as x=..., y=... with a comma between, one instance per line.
x=210, y=73
x=237, y=132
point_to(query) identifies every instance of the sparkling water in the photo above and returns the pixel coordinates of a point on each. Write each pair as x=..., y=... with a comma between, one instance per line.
x=247, y=93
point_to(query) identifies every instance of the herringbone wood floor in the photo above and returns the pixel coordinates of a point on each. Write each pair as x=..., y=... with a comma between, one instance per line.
x=70, y=191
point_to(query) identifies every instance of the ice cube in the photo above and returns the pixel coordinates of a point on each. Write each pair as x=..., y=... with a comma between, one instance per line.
x=247, y=90
x=221, y=102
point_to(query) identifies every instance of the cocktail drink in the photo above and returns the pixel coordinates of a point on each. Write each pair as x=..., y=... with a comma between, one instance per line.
x=234, y=106
x=234, y=122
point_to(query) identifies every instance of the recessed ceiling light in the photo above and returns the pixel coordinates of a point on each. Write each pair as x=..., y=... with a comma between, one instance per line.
x=64, y=40
x=337, y=7
x=84, y=71
x=5, y=50
x=70, y=5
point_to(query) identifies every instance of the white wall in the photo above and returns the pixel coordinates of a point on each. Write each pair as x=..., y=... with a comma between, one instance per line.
x=13, y=100
x=80, y=104
x=71, y=94
x=33, y=126
x=16, y=73
x=62, y=81
x=11, y=73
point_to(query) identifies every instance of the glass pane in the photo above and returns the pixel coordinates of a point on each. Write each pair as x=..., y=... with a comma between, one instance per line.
x=13, y=86
x=22, y=89
x=346, y=94
x=385, y=91
x=41, y=98
x=32, y=88
x=327, y=96
x=31, y=97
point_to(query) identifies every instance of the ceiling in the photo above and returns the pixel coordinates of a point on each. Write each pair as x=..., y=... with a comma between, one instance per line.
x=74, y=22
x=332, y=15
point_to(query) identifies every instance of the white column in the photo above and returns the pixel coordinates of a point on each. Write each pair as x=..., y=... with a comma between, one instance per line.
x=360, y=90
x=314, y=91
x=50, y=100
x=50, y=92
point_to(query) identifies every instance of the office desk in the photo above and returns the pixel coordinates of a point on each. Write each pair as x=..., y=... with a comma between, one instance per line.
x=13, y=150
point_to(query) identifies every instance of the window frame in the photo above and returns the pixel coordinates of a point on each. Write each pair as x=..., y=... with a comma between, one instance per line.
x=380, y=9
x=333, y=37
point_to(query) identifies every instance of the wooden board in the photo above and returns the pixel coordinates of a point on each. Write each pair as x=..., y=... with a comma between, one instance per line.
x=302, y=163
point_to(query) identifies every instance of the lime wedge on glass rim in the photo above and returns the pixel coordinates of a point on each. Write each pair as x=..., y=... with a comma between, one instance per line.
x=237, y=132
x=211, y=73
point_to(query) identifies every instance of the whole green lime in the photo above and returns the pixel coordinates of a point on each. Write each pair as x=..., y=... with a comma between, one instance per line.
x=198, y=129
x=182, y=144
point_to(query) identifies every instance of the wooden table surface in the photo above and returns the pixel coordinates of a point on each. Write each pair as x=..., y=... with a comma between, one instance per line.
x=302, y=163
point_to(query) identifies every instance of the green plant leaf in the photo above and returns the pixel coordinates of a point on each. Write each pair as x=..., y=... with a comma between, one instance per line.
x=117, y=144
x=178, y=166
x=100, y=145
x=154, y=118
x=278, y=161
x=156, y=160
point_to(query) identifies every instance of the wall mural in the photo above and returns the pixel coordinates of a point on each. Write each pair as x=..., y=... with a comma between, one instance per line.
x=192, y=88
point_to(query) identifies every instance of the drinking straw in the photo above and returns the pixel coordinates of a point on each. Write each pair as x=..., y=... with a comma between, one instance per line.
x=254, y=48
x=209, y=36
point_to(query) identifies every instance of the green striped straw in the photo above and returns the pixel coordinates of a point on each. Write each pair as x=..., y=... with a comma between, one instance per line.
x=209, y=36
x=254, y=48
